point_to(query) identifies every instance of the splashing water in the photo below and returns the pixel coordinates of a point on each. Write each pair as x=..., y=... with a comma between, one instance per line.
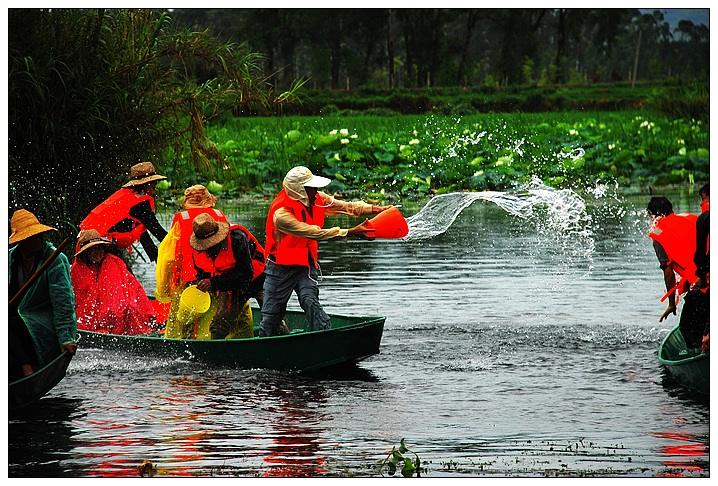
x=566, y=211
x=558, y=220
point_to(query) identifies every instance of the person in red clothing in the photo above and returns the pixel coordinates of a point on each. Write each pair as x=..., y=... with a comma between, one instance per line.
x=229, y=263
x=108, y=297
x=128, y=215
x=674, y=241
x=295, y=225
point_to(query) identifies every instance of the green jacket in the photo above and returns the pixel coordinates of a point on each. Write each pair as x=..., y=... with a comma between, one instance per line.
x=48, y=306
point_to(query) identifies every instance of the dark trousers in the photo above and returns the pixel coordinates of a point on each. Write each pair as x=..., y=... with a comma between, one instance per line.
x=279, y=283
x=695, y=317
x=20, y=346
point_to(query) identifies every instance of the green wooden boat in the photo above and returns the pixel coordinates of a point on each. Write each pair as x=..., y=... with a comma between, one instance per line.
x=351, y=339
x=690, y=367
x=29, y=389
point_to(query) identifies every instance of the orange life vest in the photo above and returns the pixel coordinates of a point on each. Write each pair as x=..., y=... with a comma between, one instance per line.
x=677, y=235
x=225, y=259
x=187, y=271
x=113, y=210
x=288, y=249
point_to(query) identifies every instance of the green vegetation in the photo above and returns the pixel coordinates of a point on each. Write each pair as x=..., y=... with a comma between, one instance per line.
x=688, y=100
x=398, y=458
x=93, y=91
x=390, y=158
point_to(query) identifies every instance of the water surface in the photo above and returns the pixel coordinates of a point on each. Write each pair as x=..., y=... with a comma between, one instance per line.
x=510, y=349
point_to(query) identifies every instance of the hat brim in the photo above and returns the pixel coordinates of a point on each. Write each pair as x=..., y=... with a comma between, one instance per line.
x=317, y=182
x=203, y=244
x=94, y=243
x=145, y=180
x=26, y=233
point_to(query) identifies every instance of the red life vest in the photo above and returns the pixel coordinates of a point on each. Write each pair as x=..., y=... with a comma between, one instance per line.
x=225, y=259
x=187, y=271
x=113, y=210
x=288, y=249
x=677, y=235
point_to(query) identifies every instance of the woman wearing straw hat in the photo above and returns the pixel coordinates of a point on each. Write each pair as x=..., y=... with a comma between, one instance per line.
x=230, y=264
x=43, y=322
x=109, y=297
x=175, y=269
x=295, y=224
x=128, y=215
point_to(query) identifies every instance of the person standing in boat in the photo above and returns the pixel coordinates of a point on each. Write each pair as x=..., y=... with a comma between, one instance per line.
x=295, y=225
x=229, y=263
x=674, y=241
x=128, y=215
x=701, y=288
x=42, y=325
x=109, y=298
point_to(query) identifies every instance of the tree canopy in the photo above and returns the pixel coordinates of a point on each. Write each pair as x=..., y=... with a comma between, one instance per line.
x=389, y=48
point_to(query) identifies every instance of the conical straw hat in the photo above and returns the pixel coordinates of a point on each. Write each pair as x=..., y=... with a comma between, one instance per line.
x=24, y=224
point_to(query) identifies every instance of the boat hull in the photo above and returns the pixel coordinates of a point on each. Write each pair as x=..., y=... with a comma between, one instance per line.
x=351, y=339
x=29, y=389
x=690, y=368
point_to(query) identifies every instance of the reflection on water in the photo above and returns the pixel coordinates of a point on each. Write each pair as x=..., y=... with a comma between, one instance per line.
x=505, y=353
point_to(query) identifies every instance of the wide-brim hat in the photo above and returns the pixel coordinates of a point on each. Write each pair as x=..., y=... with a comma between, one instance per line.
x=24, y=224
x=207, y=232
x=198, y=196
x=88, y=239
x=143, y=173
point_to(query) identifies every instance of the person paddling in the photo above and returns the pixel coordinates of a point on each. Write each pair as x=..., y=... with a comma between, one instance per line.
x=42, y=324
x=295, y=225
x=128, y=215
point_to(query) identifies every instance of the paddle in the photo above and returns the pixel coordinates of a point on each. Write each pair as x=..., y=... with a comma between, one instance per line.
x=36, y=275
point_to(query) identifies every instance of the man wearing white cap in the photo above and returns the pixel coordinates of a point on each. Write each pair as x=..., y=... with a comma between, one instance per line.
x=295, y=224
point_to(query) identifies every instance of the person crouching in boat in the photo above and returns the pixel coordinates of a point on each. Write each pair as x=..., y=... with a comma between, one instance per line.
x=109, y=297
x=128, y=215
x=295, y=225
x=229, y=262
x=175, y=269
x=42, y=324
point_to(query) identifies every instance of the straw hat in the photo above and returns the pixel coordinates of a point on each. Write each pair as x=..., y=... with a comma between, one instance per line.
x=207, y=232
x=143, y=173
x=24, y=224
x=88, y=239
x=300, y=177
x=198, y=196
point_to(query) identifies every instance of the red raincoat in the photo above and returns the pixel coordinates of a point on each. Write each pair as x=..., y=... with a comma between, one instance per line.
x=110, y=299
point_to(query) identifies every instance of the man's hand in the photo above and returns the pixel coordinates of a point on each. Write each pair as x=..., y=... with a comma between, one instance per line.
x=362, y=231
x=379, y=209
x=205, y=285
x=70, y=347
x=671, y=309
x=705, y=343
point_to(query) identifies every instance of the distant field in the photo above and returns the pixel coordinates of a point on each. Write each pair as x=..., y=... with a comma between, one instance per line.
x=394, y=157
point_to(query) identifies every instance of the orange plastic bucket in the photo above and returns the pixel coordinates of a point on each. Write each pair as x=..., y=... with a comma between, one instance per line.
x=390, y=223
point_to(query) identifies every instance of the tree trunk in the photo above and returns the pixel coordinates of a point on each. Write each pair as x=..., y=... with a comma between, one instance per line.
x=635, y=60
x=470, y=24
x=390, y=47
x=560, y=46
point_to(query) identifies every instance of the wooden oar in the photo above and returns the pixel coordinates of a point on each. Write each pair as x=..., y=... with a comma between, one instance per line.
x=36, y=275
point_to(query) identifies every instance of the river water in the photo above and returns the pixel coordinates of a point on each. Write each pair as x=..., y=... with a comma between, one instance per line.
x=512, y=347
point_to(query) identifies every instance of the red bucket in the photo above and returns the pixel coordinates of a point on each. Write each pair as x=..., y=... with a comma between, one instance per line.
x=390, y=223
